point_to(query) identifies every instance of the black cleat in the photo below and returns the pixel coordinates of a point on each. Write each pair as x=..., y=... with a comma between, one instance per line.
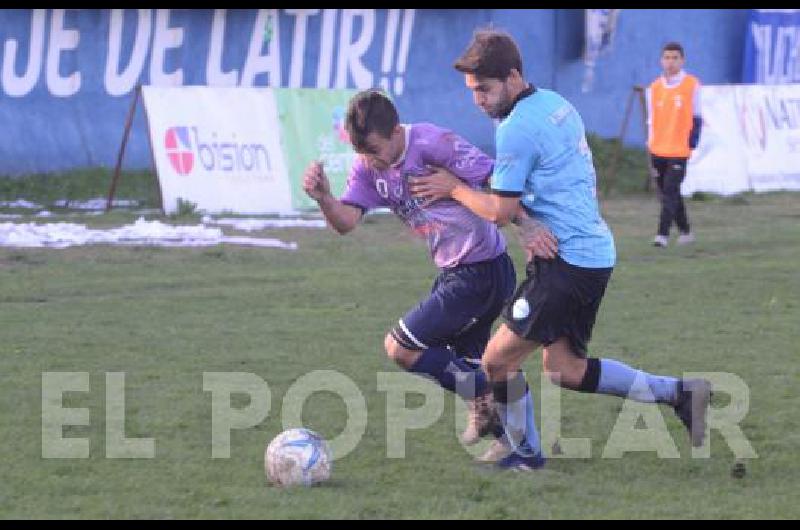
x=692, y=406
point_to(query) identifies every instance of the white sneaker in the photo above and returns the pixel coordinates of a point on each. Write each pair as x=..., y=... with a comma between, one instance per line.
x=497, y=451
x=661, y=241
x=685, y=239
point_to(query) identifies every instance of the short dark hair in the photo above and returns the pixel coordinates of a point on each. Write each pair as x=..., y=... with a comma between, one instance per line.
x=673, y=47
x=370, y=111
x=492, y=54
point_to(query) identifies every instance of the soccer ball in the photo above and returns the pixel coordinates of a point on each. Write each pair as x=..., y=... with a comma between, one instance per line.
x=297, y=457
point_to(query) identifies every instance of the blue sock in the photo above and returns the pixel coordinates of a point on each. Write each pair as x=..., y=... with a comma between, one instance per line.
x=619, y=379
x=470, y=380
x=515, y=406
x=451, y=372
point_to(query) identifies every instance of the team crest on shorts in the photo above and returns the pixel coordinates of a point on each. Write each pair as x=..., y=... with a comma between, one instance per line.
x=521, y=309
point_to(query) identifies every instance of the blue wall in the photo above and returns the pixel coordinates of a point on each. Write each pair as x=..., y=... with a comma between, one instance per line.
x=58, y=124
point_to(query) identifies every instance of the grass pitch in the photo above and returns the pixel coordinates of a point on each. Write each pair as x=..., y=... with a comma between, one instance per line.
x=729, y=303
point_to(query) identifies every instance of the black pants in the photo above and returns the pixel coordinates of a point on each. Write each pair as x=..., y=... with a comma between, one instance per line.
x=670, y=172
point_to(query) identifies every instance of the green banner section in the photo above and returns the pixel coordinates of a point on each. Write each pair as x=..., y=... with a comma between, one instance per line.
x=312, y=126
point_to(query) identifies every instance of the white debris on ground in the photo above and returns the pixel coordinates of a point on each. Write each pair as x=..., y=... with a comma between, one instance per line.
x=142, y=232
x=21, y=203
x=259, y=242
x=249, y=224
x=89, y=207
x=97, y=203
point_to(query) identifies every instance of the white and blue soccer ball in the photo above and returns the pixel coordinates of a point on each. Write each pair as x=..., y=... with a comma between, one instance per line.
x=297, y=457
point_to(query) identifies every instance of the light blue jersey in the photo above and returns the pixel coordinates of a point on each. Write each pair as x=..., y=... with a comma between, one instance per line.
x=542, y=153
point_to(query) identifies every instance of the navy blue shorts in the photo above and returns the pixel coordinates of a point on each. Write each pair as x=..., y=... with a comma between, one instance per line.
x=557, y=299
x=459, y=313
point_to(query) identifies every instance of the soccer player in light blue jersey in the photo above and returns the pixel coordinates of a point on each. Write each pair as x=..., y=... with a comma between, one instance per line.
x=544, y=162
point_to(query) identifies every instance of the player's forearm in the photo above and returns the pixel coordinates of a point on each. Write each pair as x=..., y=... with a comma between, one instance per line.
x=486, y=205
x=340, y=217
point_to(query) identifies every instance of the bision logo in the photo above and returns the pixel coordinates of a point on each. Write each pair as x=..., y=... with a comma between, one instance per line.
x=179, y=149
x=184, y=144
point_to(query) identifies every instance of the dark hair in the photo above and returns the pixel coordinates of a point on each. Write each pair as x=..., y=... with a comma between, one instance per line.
x=491, y=54
x=673, y=47
x=369, y=111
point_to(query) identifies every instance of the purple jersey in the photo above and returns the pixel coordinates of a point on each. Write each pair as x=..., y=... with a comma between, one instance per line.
x=455, y=235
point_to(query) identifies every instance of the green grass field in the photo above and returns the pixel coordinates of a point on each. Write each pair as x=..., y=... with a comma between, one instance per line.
x=730, y=303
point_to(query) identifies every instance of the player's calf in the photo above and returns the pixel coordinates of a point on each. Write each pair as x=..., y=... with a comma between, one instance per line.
x=691, y=406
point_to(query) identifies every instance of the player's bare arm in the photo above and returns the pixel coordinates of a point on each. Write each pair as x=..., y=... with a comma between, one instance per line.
x=341, y=217
x=442, y=184
x=534, y=235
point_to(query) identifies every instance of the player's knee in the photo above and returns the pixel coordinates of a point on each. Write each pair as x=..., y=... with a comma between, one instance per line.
x=391, y=347
x=396, y=352
x=494, y=369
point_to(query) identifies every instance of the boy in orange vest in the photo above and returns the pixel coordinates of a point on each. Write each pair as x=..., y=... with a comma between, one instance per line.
x=673, y=108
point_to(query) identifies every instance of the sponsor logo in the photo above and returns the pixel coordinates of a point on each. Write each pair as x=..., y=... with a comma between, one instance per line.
x=754, y=125
x=190, y=147
x=179, y=149
x=338, y=125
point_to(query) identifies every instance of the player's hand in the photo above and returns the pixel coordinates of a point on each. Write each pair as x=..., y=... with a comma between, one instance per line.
x=536, y=238
x=315, y=182
x=440, y=184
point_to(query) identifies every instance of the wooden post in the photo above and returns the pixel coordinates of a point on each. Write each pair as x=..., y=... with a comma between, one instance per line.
x=612, y=174
x=648, y=186
x=153, y=159
x=637, y=90
x=126, y=133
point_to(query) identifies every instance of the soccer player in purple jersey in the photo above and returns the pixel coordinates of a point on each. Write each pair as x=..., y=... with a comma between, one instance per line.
x=444, y=336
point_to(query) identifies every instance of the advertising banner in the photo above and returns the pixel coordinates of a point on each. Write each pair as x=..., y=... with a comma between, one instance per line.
x=750, y=140
x=219, y=148
x=312, y=128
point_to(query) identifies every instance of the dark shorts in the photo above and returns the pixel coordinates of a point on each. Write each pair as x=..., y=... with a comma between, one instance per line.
x=557, y=300
x=461, y=308
x=664, y=165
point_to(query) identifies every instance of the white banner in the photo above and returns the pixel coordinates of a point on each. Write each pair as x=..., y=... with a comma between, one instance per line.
x=599, y=28
x=219, y=148
x=750, y=140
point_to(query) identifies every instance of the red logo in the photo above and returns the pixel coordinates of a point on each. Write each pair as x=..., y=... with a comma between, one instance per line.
x=338, y=125
x=179, y=149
